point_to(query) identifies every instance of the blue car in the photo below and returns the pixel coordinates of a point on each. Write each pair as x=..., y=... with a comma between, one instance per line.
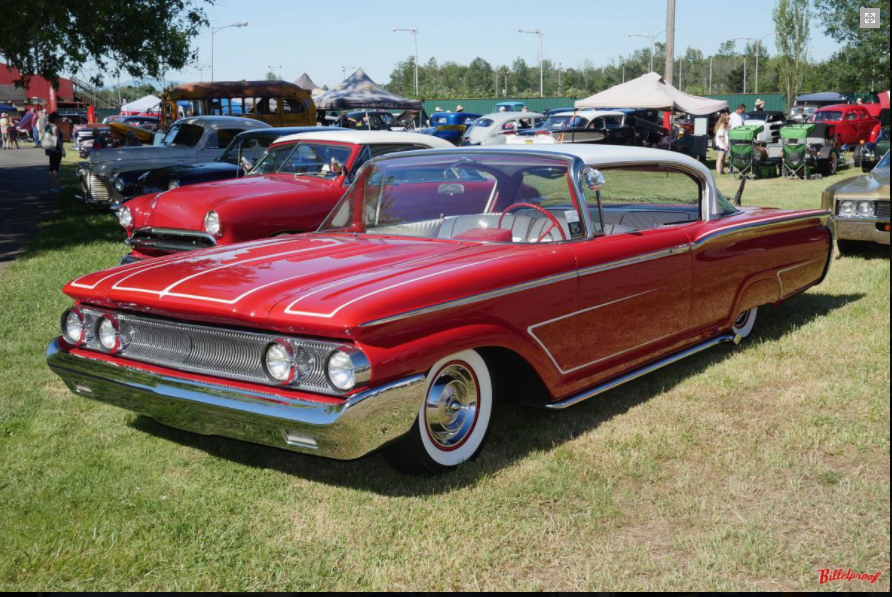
x=450, y=126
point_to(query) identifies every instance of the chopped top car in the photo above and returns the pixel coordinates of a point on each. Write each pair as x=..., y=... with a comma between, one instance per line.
x=290, y=189
x=244, y=149
x=442, y=279
x=493, y=129
x=449, y=125
x=850, y=123
x=188, y=141
x=860, y=207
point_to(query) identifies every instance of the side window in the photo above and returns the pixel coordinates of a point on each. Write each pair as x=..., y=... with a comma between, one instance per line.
x=648, y=198
x=220, y=139
x=292, y=105
x=509, y=126
x=265, y=106
x=853, y=115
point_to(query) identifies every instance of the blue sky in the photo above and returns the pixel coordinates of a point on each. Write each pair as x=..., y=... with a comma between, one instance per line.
x=320, y=38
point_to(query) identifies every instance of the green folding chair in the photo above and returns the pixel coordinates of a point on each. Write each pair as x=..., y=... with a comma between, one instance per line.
x=743, y=141
x=795, y=159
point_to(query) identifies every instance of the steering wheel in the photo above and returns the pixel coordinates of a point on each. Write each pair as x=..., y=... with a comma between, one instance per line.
x=544, y=212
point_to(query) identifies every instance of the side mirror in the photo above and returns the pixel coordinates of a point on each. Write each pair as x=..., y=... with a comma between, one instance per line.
x=592, y=179
x=336, y=167
x=246, y=163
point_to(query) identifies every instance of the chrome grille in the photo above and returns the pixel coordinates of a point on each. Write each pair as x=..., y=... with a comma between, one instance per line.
x=165, y=239
x=216, y=352
x=98, y=187
x=883, y=209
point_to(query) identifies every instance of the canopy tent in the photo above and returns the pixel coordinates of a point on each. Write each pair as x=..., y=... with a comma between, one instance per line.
x=651, y=91
x=307, y=84
x=7, y=108
x=359, y=91
x=144, y=104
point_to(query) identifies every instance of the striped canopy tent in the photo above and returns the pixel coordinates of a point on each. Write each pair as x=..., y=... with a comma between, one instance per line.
x=358, y=91
x=652, y=91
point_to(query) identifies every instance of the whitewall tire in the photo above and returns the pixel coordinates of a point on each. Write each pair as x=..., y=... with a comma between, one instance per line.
x=453, y=419
x=745, y=323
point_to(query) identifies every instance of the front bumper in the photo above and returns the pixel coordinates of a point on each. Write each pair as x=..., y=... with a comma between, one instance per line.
x=868, y=230
x=343, y=430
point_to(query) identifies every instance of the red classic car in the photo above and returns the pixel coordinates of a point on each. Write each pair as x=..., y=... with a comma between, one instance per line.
x=851, y=123
x=290, y=189
x=442, y=281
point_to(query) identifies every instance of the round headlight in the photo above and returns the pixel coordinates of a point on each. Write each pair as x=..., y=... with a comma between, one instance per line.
x=341, y=372
x=174, y=184
x=125, y=217
x=866, y=209
x=278, y=362
x=73, y=327
x=847, y=209
x=109, y=334
x=212, y=223
x=120, y=185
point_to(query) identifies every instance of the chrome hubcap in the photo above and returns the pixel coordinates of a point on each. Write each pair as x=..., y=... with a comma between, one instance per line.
x=451, y=407
x=742, y=319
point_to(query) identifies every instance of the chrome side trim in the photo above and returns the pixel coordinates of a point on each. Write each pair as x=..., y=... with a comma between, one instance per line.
x=477, y=298
x=734, y=228
x=641, y=372
x=343, y=430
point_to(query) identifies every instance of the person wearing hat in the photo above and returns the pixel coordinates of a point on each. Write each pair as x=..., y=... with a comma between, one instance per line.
x=438, y=109
x=760, y=105
x=460, y=108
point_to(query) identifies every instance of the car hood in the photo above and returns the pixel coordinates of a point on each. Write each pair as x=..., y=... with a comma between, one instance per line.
x=144, y=152
x=874, y=185
x=165, y=175
x=185, y=208
x=321, y=285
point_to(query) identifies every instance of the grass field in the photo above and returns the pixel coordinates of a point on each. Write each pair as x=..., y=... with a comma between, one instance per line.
x=744, y=468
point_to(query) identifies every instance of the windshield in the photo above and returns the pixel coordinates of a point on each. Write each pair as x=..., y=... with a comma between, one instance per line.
x=831, y=116
x=504, y=199
x=183, y=135
x=249, y=147
x=303, y=159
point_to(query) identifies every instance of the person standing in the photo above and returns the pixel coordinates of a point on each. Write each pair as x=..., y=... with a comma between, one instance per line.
x=736, y=119
x=4, y=130
x=41, y=125
x=721, y=142
x=55, y=151
x=35, y=127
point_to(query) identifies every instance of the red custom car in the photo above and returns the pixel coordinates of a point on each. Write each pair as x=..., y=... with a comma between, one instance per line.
x=442, y=281
x=290, y=189
x=850, y=123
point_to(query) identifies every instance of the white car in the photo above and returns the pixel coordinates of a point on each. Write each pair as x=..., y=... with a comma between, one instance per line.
x=574, y=127
x=189, y=141
x=494, y=129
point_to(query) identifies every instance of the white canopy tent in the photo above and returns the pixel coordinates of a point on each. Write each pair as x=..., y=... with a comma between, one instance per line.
x=144, y=104
x=651, y=91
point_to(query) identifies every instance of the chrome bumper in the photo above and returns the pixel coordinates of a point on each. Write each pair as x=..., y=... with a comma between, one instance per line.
x=344, y=431
x=862, y=229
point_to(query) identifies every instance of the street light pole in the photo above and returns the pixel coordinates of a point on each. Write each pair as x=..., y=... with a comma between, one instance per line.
x=541, y=36
x=758, y=48
x=214, y=32
x=413, y=31
x=272, y=67
x=736, y=39
x=653, y=42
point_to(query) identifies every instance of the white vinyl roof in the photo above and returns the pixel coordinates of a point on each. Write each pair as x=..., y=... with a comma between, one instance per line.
x=590, y=114
x=370, y=138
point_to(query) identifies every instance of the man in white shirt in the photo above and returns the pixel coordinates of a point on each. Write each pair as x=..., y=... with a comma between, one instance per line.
x=737, y=117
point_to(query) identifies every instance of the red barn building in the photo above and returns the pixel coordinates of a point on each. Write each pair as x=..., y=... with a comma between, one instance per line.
x=38, y=91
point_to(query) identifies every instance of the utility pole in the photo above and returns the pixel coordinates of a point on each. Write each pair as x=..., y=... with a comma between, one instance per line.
x=758, y=48
x=710, y=75
x=670, y=41
x=414, y=32
x=541, y=37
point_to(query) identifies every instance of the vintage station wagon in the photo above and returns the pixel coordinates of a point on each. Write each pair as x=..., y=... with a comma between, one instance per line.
x=442, y=281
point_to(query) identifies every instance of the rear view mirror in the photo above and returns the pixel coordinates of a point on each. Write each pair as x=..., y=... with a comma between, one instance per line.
x=592, y=179
x=336, y=167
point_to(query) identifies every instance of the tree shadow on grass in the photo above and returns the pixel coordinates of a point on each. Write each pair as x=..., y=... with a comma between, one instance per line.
x=516, y=432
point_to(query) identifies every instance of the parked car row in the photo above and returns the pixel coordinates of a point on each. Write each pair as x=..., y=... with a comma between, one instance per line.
x=337, y=292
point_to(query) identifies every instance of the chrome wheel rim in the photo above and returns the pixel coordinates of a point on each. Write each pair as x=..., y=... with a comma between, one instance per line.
x=452, y=406
x=742, y=320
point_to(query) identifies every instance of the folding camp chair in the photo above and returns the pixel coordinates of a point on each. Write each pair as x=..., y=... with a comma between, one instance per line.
x=743, y=141
x=795, y=159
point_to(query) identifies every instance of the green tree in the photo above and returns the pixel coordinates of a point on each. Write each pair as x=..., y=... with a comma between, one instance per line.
x=48, y=37
x=791, y=24
x=271, y=76
x=865, y=51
